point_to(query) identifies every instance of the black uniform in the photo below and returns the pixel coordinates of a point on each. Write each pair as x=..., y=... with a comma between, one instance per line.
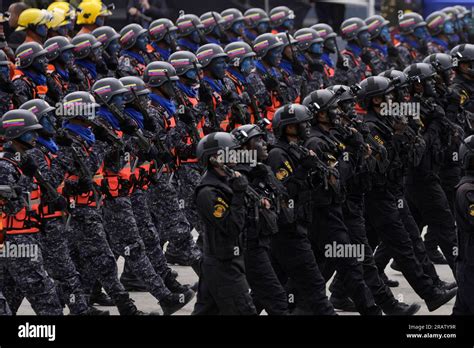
x=223, y=288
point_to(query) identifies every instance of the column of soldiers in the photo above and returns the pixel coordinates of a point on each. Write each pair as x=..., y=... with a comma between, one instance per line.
x=112, y=147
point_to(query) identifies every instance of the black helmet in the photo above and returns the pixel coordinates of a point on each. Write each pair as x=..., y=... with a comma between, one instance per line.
x=408, y=22
x=280, y=14
x=208, y=52
x=129, y=34
x=289, y=114
x=105, y=35
x=17, y=122
x=3, y=58
x=375, y=24
x=344, y=93
x=183, y=61
x=325, y=31
x=209, y=21
x=26, y=53
x=39, y=107
x=231, y=16
x=452, y=12
x=78, y=104
x=265, y=42
x=238, y=51
x=466, y=152
x=463, y=53
x=462, y=11
x=246, y=132
x=187, y=24
x=306, y=37
x=255, y=16
x=374, y=86
x=320, y=100
x=56, y=45
x=439, y=61
x=398, y=78
x=422, y=71
x=83, y=45
x=107, y=88
x=135, y=83
x=157, y=73
x=213, y=143
x=351, y=27
x=158, y=28
x=435, y=22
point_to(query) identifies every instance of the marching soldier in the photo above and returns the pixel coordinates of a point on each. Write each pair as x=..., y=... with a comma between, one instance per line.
x=133, y=57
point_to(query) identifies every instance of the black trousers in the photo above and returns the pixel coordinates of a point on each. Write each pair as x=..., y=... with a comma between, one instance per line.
x=294, y=259
x=328, y=229
x=464, y=304
x=353, y=210
x=382, y=253
x=384, y=217
x=429, y=206
x=267, y=291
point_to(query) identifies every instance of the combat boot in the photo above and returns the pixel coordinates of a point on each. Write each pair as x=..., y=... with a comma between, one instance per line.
x=401, y=308
x=174, y=286
x=389, y=282
x=94, y=311
x=174, y=302
x=342, y=303
x=439, y=297
x=126, y=306
x=130, y=281
x=445, y=285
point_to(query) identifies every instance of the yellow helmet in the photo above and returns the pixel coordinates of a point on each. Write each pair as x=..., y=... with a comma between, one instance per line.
x=89, y=10
x=33, y=16
x=67, y=8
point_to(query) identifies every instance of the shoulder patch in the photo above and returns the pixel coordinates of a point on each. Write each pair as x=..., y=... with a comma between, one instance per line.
x=288, y=165
x=281, y=174
x=471, y=209
x=463, y=97
x=219, y=210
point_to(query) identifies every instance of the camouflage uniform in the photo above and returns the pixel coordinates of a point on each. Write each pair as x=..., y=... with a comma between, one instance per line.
x=352, y=69
x=5, y=101
x=26, y=274
x=4, y=308
x=132, y=63
x=53, y=241
x=25, y=89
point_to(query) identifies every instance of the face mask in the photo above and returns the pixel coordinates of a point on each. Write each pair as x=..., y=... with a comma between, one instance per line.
x=263, y=27
x=364, y=38
x=429, y=89
x=192, y=75
x=238, y=27
x=385, y=34
x=304, y=130
x=316, y=49
x=421, y=33
x=195, y=37
x=448, y=28
x=63, y=31
x=330, y=45
x=168, y=89
x=42, y=30
x=247, y=66
x=119, y=101
x=67, y=57
x=114, y=47
x=142, y=42
x=216, y=31
x=218, y=67
x=29, y=138
x=48, y=121
x=100, y=21
x=171, y=37
x=96, y=54
x=289, y=24
x=274, y=56
x=40, y=65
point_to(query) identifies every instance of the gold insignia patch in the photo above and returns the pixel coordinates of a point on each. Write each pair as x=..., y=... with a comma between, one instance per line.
x=471, y=209
x=378, y=139
x=220, y=200
x=287, y=164
x=281, y=174
x=463, y=95
x=219, y=211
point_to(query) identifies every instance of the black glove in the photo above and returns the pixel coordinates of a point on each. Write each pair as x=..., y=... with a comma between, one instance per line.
x=366, y=56
x=392, y=51
x=317, y=65
x=62, y=139
x=298, y=68
x=28, y=166
x=100, y=133
x=205, y=94
x=128, y=126
x=271, y=83
x=187, y=116
x=239, y=184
